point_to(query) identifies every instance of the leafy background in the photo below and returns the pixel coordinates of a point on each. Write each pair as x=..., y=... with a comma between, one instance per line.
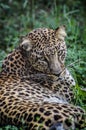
x=17, y=18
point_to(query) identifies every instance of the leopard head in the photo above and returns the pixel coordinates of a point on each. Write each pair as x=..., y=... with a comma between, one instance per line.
x=46, y=49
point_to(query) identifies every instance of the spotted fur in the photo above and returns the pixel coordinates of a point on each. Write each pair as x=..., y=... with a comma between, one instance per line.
x=35, y=86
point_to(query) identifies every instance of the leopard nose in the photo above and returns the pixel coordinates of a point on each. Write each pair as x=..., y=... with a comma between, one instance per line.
x=55, y=72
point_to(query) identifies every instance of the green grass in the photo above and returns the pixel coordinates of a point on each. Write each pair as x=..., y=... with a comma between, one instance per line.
x=10, y=128
x=18, y=21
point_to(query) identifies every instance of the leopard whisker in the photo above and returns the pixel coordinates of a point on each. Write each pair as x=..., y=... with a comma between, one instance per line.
x=72, y=64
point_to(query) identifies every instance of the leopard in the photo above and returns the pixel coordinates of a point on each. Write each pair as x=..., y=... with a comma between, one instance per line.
x=46, y=51
x=28, y=81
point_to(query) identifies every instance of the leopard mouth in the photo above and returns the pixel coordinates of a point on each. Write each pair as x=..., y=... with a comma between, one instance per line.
x=59, y=73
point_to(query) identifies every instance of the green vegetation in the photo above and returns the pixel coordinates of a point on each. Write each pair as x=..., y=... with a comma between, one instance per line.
x=19, y=17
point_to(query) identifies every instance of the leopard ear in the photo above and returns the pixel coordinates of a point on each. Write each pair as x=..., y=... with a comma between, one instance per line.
x=60, y=32
x=26, y=44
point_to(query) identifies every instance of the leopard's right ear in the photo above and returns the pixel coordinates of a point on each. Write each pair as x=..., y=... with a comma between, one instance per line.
x=26, y=44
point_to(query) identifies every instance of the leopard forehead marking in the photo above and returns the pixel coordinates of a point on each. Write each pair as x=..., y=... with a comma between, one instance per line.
x=43, y=37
